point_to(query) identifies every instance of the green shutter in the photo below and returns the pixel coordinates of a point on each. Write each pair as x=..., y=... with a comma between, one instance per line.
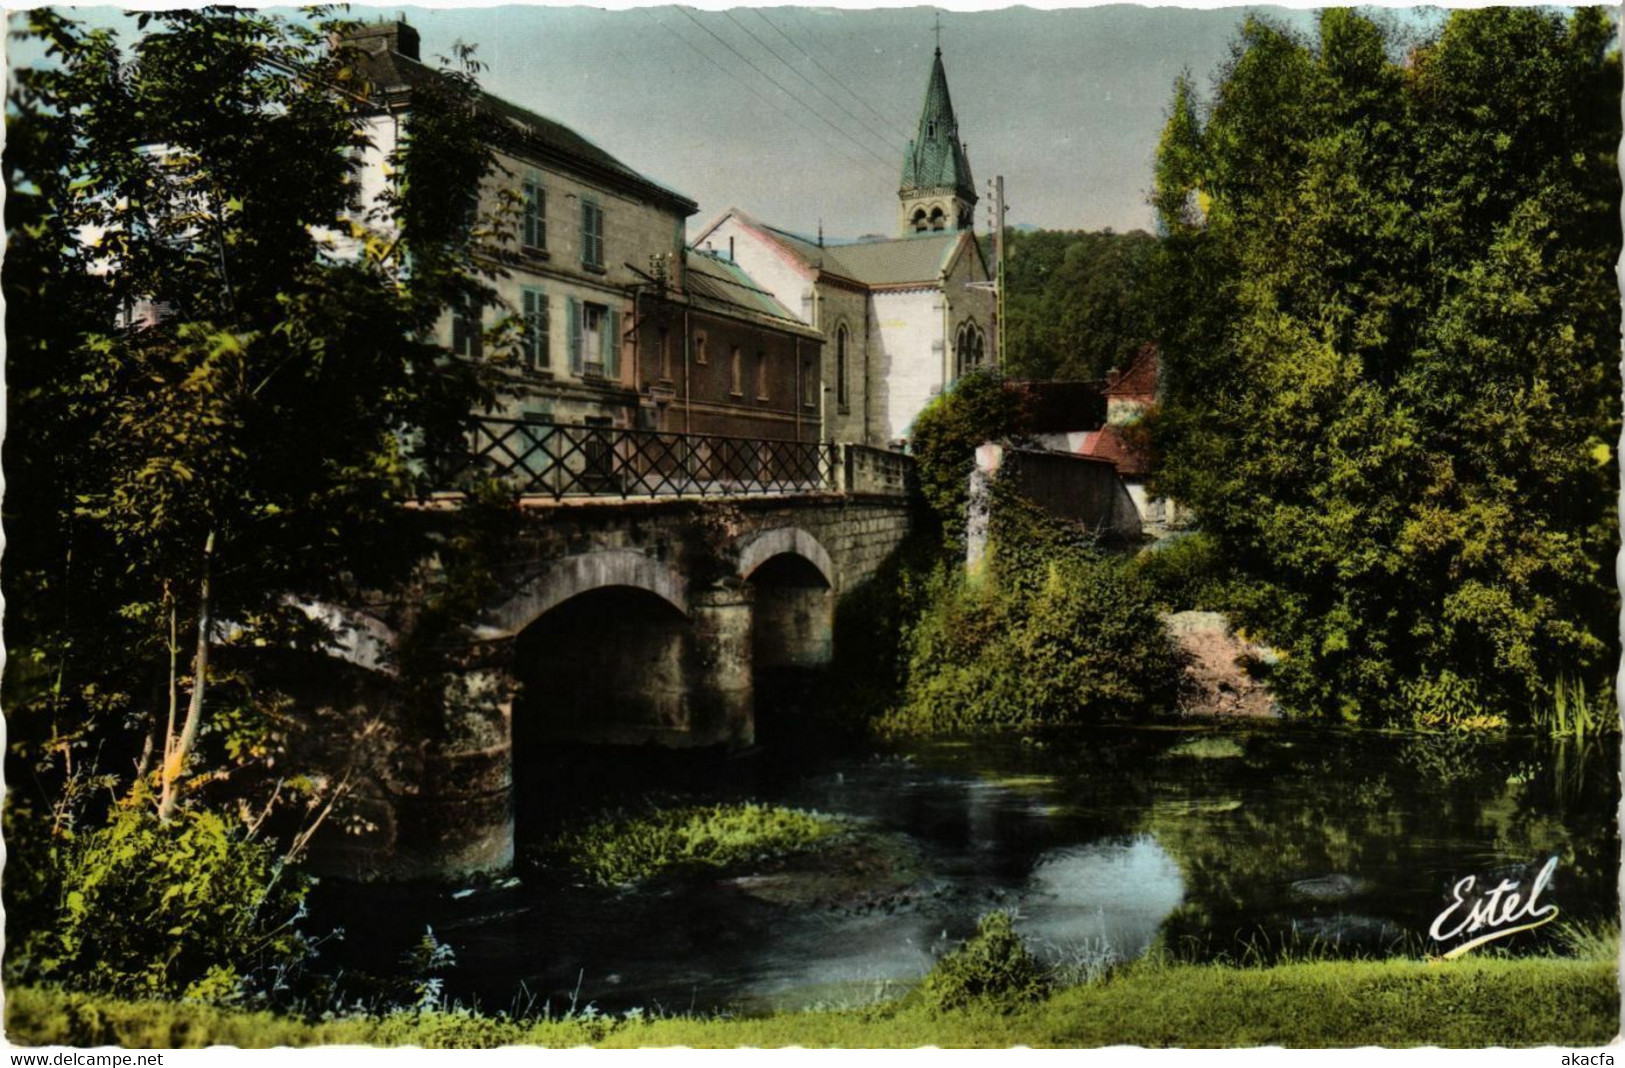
x=575, y=334
x=612, y=344
x=534, y=230
x=535, y=328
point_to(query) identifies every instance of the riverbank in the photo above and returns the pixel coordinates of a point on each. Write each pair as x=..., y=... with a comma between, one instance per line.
x=1465, y=1003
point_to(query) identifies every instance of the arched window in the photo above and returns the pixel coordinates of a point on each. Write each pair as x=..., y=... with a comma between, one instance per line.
x=919, y=220
x=938, y=219
x=968, y=348
x=840, y=367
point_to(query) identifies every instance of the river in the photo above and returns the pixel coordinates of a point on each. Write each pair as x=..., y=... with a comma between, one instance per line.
x=1209, y=843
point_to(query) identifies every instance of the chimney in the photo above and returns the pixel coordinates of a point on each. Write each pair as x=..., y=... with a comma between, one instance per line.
x=377, y=38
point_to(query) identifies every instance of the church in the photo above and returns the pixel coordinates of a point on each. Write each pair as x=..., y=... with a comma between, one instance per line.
x=902, y=318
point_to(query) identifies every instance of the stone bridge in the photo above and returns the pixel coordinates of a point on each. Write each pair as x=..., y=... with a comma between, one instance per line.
x=620, y=622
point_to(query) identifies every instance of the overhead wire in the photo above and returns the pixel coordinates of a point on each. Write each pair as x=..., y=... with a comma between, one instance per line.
x=754, y=91
x=832, y=77
x=887, y=141
x=782, y=88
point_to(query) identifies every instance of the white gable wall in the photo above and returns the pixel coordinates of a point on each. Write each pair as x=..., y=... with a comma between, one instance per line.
x=908, y=337
x=767, y=264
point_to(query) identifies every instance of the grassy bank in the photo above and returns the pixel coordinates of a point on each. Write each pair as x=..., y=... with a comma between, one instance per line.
x=1467, y=1003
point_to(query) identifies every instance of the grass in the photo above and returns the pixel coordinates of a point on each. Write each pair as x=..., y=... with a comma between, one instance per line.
x=627, y=849
x=1469, y=1003
x=1573, y=712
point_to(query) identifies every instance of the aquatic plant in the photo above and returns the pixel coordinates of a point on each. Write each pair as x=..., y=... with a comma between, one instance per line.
x=621, y=850
x=1572, y=712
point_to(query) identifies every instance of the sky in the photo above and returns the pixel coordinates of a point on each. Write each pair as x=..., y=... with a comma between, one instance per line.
x=800, y=115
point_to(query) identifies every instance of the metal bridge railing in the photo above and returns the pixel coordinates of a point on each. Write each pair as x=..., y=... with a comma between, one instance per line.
x=590, y=461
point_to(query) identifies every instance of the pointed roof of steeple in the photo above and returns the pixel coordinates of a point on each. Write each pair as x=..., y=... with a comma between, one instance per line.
x=935, y=158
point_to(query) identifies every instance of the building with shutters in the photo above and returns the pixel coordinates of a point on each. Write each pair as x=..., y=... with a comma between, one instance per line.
x=608, y=301
x=901, y=318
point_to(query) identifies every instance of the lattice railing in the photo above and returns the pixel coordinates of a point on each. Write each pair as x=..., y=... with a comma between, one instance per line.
x=589, y=461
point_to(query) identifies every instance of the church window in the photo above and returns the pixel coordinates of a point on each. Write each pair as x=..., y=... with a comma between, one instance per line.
x=840, y=367
x=938, y=219
x=919, y=220
x=969, y=344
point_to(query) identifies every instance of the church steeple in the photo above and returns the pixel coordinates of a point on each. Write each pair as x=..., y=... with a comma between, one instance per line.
x=938, y=192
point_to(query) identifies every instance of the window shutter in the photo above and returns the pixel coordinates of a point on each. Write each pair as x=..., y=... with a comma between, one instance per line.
x=575, y=334
x=612, y=344
x=544, y=327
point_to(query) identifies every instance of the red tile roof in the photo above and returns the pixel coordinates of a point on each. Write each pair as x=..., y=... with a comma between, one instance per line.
x=1139, y=382
x=1125, y=448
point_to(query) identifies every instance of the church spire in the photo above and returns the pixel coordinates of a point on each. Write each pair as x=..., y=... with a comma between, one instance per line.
x=938, y=192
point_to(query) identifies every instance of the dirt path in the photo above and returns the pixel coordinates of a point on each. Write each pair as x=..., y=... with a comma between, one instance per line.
x=1215, y=683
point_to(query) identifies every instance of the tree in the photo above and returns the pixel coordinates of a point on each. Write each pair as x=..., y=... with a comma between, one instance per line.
x=218, y=359
x=1073, y=307
x=1390, y=336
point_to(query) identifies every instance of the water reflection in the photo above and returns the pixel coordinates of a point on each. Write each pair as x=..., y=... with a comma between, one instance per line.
x=1103, y=843
x=1109, y=897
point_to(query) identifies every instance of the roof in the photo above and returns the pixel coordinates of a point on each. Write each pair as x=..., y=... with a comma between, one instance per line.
x=935, y=158
x=391, y=71
x=1125, y=449
x=922, y=258
x=716, y=285
x=1140, y=380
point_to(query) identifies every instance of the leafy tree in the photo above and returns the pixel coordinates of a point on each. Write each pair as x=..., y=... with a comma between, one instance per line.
x=1390, y=335
x=217, y=359
x=944, y=439
x=1073, y=305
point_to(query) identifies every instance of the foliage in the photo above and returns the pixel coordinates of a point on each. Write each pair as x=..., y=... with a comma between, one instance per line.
x=1474, y=1003
x=1390, y=336
x=1053, y=632
x=994, y=964
x=202, y=280
x=622, y=850
x=944, y=439
x=1574, y=712
x=1185, y=572
x=193, y=909
x=871, y=658
x=1074, y=302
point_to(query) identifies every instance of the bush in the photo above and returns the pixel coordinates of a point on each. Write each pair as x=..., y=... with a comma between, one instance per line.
x=943, y=442
x=1185, y=572
x=1054, y=632
x=992, y=965
x=190, y=909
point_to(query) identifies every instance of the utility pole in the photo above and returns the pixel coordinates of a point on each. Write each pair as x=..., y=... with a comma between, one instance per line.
x=998, y=271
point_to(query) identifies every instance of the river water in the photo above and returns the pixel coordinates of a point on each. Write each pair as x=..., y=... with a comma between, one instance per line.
x=1209, y=843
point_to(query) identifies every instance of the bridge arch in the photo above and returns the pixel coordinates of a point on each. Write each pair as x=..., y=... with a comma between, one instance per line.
x=781, y=541
x=583, y=573
x=792, y=583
